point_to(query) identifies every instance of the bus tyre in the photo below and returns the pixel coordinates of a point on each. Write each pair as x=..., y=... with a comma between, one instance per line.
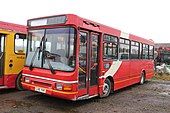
x=106, y=88
x=18, y=82
x=142, y=78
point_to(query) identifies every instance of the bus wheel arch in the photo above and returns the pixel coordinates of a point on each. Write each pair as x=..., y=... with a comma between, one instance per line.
x=107, y=87
x=142, y=78
x=18, y=82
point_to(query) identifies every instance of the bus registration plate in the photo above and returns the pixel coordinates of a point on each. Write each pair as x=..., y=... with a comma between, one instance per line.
x=42, y=90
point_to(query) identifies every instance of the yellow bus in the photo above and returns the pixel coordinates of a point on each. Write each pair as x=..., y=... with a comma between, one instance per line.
x=12, y=54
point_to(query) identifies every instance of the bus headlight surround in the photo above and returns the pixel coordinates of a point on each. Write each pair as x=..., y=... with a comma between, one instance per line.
x=59, y=86
x=64, y=87
x=27, y=80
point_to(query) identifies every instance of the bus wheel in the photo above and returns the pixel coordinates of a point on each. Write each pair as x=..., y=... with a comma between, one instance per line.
x=106, y=88
x=18, y=82
x=142, y=78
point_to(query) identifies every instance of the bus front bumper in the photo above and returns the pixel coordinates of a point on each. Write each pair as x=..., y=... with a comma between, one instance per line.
x=51, y=92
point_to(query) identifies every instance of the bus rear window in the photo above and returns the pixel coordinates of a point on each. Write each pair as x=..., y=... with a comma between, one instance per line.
x=20, y=43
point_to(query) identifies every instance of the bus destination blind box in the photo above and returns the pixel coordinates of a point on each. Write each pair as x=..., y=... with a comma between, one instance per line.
x=47, y=21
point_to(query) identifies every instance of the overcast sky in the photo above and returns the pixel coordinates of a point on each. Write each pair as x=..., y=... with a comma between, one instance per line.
x=146, y=18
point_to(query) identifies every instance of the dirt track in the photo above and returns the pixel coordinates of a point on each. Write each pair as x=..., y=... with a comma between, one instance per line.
x=152, y=97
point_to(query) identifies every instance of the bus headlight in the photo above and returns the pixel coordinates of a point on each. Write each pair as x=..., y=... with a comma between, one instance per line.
x=27, y=80
x=59, y=86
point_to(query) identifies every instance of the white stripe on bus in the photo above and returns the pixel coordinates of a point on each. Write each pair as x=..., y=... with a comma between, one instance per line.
x=112, y=70
x=49, y=79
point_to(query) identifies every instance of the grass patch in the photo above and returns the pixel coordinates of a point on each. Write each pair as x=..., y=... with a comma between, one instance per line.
x=161, y=77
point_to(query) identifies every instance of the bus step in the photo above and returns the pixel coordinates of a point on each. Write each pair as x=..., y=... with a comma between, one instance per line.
x=86, y=97
x=83, y=97
x=3, y=87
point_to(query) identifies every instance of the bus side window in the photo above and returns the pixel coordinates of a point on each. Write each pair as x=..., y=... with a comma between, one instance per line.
x=151, y=52
x=124, y=49
x=145, y=51
x=2, y=42
x=110, y=47
x=134, y=50
x=20, y=43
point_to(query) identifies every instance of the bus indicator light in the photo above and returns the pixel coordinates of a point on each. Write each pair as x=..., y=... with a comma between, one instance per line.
x=67, y=87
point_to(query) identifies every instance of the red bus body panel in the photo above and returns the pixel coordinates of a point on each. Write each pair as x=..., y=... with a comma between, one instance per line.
x=13, y=27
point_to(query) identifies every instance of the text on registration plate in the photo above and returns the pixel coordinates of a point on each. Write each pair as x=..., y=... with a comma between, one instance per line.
x=42, y=90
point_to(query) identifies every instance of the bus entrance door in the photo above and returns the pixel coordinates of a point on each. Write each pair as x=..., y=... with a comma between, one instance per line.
x=88, y=65
x=93, y=64
x=2, y=39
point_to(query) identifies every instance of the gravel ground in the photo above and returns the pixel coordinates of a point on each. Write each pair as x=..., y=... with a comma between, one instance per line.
x=152, y=97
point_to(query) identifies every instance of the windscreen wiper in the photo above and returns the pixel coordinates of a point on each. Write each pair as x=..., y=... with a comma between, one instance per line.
x=41, y=47
x=38, y=48
x=33, y=58
x=47, y=53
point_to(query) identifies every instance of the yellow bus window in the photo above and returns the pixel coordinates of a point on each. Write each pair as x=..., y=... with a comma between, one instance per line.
x=20, y=43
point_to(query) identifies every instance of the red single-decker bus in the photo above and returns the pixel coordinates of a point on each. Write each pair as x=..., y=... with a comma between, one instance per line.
x=74, y=58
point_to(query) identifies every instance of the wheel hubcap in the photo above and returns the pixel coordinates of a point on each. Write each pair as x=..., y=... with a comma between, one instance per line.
x=105, y=89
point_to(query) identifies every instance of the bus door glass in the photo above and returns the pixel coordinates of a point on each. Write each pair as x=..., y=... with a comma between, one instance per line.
x=2, y=40
x=88, y=64
x=83, y=76
x=94, y=59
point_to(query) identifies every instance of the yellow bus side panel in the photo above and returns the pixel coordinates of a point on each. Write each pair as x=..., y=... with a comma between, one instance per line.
x=14, y=63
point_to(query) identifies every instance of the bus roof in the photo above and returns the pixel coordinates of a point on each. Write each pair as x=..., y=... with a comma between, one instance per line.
x=12, y=27
x=94, y=26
